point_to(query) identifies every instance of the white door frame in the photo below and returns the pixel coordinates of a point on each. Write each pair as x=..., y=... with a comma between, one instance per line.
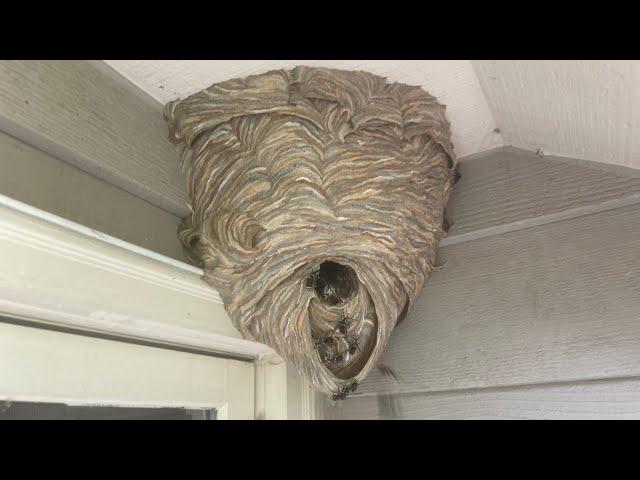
x=41, y=365
x=56, y=272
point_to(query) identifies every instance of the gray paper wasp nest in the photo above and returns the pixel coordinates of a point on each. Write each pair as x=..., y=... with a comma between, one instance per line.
x=317, y=201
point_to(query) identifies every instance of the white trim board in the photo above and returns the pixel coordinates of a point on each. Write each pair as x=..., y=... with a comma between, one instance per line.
x=37, y=365
x=92, y=233
x=58, y=273
x=61, y=273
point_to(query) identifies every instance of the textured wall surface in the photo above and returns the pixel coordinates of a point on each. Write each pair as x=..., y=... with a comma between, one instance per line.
x=582, y=109
x=36, y=178
x=533, y=316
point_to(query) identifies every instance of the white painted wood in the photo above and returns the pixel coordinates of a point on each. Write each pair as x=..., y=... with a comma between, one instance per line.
x=75, y=112
x=588, y=109
x=38, y=179
x=453, y=82
x=57, y=272
x=303, y=401
x=281, y=393
x=553, y=303
x=609, y=399
x=271, y=388
x=43, y=366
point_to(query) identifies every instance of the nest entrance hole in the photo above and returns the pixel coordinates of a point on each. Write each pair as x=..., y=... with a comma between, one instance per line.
x=335, y=283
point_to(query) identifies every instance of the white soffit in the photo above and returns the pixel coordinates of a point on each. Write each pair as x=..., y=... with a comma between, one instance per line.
x=581, y=109
x=453, y=82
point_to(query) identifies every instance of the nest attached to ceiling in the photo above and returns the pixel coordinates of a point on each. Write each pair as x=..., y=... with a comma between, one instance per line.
x=317, y=200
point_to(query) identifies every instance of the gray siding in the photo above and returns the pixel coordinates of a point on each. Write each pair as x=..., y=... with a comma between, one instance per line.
x=80, y=114
x=36, y=178
x=539, y=321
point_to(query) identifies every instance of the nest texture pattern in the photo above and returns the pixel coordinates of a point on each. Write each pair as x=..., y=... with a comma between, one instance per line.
x=317, y=200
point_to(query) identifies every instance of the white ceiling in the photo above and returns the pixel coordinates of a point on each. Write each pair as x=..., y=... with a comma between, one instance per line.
x=453, y=82
x=580, y=109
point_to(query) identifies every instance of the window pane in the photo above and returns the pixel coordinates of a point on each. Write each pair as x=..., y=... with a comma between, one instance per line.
x=60, y=411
